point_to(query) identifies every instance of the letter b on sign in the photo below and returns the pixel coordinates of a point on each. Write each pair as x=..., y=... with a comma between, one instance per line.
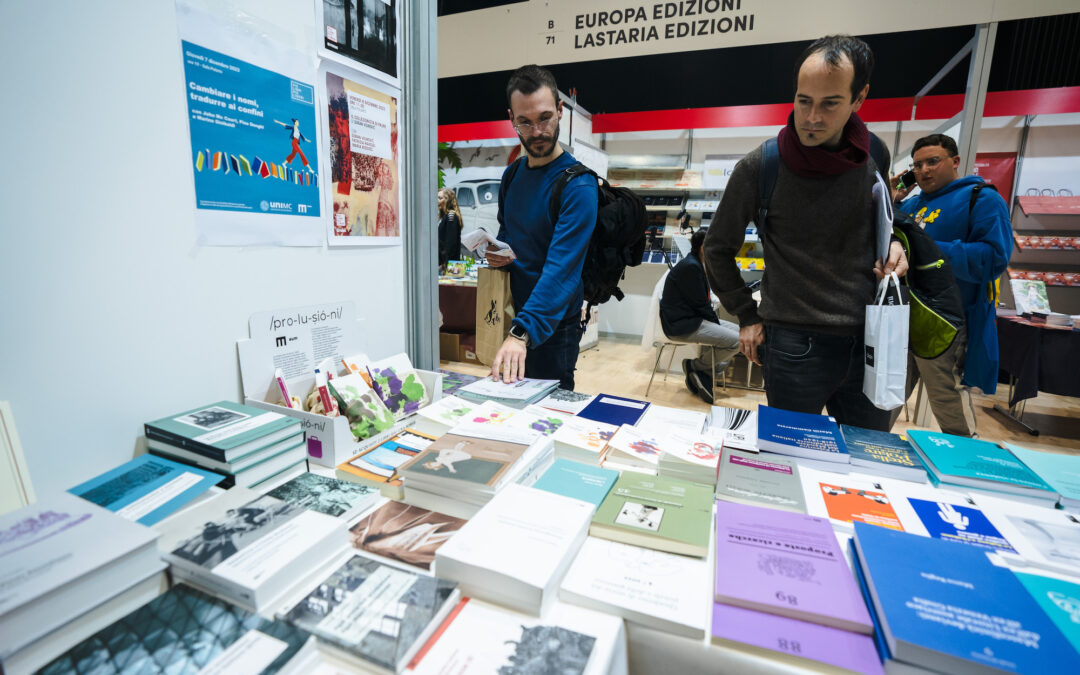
x=551, y=25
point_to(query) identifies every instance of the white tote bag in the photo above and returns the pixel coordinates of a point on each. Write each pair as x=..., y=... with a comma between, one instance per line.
x=886, y=347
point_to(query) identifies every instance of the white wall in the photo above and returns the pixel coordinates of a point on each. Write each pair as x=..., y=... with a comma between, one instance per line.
x=111, y=315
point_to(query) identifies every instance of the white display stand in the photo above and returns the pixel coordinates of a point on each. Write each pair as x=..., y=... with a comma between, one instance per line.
x=296, y=340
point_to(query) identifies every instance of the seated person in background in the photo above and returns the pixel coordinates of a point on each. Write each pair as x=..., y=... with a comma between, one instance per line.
x=686, y=314
x=450, y=225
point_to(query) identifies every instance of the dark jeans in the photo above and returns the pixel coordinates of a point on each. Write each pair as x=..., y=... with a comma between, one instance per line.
x=806, y=372
x=556, y=359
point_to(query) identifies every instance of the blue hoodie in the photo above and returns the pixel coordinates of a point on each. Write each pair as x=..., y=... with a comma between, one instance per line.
x=978, y=243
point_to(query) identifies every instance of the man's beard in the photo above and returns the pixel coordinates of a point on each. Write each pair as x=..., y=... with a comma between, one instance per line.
x=540, y=140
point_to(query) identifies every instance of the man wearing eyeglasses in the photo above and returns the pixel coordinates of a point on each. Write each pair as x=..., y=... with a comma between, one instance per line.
x=819, y=236
x=545, y=278
x=971, y=225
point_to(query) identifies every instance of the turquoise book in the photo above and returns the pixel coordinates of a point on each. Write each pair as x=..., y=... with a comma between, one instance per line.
x=1060, y=600
x=1061, y=472
x=955, y=460
x=580, y=481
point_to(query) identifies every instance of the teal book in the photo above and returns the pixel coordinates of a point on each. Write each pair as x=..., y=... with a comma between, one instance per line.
x=1060, y=600
x=579, y=481
x=1061, y=472
x=222, y=431
x=882, y=453
x=969, y=462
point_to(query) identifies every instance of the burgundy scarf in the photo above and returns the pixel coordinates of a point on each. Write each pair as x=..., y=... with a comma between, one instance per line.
x=816, y=161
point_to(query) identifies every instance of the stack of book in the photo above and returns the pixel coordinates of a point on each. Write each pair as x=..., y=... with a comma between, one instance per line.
x=783, y=587
x=946, y=607
x=186, y=631
x=692, y=457
x=635, y=448
x=978, y=465
x=405, y=533
x=515, y=550
x=760, y=480
x=565, y=401
x=588, y=483
x=252, y=554
x=64, y=557
x=441, y=415
x=666, y=514
x=739, y=427
x=247, y=445
x=880, y=452
x=339, y=499
x=516, y=395
x=372, y=614
x=463, y=469
x=664, y=418
x=814, y=439
x=378, y=467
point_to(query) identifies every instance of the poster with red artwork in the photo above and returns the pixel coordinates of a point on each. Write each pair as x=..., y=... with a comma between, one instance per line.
x=360, y=116
x=997, y=169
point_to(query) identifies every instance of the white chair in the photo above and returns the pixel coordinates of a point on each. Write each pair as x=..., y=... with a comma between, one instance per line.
x=653, y=337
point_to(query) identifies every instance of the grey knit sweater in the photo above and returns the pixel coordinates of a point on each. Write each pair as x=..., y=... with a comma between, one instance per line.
x=819, y=248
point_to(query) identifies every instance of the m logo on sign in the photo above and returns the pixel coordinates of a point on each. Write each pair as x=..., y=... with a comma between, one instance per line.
x=280, y=341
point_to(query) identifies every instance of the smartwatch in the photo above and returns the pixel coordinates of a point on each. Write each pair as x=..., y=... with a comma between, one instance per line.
x=519, y=333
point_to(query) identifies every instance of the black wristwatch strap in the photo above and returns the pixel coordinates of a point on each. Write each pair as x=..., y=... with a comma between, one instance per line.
x=519, y=332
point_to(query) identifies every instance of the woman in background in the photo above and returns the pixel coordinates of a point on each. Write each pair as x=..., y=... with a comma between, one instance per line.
x=450, y=225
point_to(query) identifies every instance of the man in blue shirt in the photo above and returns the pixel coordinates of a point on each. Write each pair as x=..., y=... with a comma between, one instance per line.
x=545, y=278
x=976, y=236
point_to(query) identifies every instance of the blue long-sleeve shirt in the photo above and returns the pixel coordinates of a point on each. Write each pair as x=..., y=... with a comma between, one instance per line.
x=545, y=280
x=978, y=242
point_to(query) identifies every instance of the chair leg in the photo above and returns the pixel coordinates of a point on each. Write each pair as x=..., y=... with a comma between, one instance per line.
x=667, y=371
x=712, y=358
x=651, y=376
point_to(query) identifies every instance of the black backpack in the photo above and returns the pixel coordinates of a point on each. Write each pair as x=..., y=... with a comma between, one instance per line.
x=937, y=308
x=618, y=240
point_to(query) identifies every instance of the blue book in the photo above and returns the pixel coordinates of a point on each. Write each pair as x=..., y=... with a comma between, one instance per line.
x=969, y=462
x=882, y=453
x=1060, y=600
x=580, y=481
x=1060, y=472
x=614, y=410
x=147, y=489
x=815, y=437
x=959, y=522
x=945, y=607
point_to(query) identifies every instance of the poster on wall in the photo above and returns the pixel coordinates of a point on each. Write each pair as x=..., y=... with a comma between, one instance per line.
x=362, y=196
x=254, y=139
x=717, y=170
x=997, y=169
x=362, y=34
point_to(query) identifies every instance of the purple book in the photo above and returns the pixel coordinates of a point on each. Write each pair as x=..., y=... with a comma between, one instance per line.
x=792, y=640
x=788, y=564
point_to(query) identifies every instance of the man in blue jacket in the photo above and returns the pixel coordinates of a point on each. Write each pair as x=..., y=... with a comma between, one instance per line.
x=970, y=223
x=545, y=279
x=686, y=314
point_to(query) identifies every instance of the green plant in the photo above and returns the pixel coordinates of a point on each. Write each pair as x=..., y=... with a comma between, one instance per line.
x=449, y=156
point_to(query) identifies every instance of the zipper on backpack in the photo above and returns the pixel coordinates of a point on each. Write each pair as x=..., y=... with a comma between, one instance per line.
x=936, y=264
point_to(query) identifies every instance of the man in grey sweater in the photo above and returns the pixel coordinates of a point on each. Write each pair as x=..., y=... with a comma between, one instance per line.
x=821, y=265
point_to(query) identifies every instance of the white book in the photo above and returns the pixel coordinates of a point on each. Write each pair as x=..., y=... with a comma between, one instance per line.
x=583, y=440
x=662, y=419
x=521, y=392
x=660, y=590
x=739, y=427
x=515, y=550
x=545, y=421
x=479, y=639
x=61, y=557
x=638, y=447
x=447, y=412
x=253, y=553
x=569, y=402
x=1043, y=537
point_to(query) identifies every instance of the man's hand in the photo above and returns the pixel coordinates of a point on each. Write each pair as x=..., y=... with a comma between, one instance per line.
x=750, y=337
x=899, y=194
x=512, y=356
x=897, y=262
x=496, y=260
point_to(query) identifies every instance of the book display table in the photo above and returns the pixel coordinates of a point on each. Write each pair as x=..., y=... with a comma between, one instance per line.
x=1037, y=357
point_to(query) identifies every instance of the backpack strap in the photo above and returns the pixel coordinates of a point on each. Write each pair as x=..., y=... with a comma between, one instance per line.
x=555, y=202
x=878, y=153
x=975, y=194
x=504, y=185
x=770, y=168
